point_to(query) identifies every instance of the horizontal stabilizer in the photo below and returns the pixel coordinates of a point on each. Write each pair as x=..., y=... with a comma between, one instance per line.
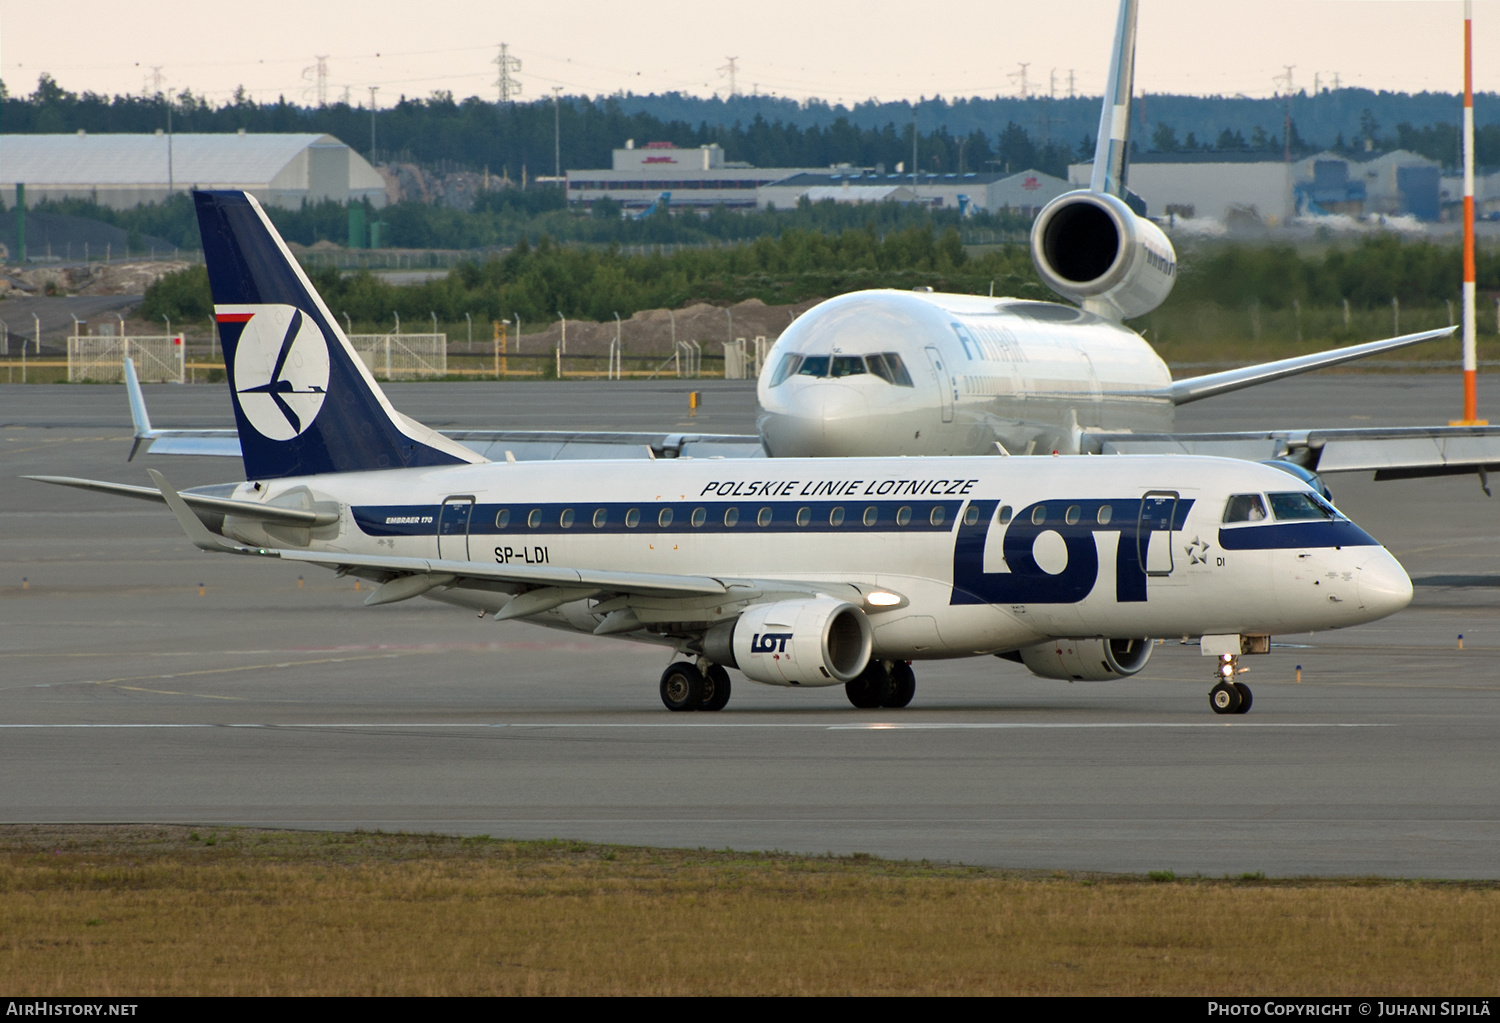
x=1198, y=388
x=200, y=502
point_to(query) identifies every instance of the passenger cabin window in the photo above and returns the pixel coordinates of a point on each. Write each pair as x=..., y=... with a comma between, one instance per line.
x=1300, y=504
x=1245, y=508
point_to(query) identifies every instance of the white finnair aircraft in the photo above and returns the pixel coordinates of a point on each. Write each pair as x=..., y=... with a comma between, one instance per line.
x=889, y=372
x=892, y=373
x=795, y=572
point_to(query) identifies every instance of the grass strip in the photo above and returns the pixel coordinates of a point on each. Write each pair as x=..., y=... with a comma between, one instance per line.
x=136, y=910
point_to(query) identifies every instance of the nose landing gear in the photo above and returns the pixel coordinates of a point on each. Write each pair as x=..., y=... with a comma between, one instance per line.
x=1228, y=696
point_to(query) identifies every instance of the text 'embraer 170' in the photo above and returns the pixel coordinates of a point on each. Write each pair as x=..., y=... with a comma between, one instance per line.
x=795, y=572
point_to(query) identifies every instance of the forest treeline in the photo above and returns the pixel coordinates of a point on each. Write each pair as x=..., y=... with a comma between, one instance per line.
x=539, y=281
x=475, y=134
x=952, y=135
x=504, y=218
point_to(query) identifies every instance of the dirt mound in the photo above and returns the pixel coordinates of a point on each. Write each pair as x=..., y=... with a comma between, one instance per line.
x=651, y=331
x=90, y=278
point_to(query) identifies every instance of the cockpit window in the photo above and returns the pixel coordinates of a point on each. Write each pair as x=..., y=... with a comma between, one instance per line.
x=886, y=365
x=786, y=367
x=889, y=367
x=1301, y=504
x=813, y=366
x=1245, y=508
x=848, y=365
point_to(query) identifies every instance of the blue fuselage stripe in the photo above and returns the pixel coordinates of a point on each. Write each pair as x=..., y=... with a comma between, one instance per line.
x=685, y=517
x=1291, y=535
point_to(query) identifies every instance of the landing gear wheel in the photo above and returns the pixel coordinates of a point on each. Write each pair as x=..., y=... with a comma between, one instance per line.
x=1245, y=697
x=1224, y=698
x=870, y=688
x=715, y=688
x=903, y=685
x=682, y=687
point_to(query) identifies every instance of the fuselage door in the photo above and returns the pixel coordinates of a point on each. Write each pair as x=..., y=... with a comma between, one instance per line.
x=453, y=528
x=1153, y=534
x=944, y=382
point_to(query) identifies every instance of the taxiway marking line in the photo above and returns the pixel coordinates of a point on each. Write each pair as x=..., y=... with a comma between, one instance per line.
x=825, y=726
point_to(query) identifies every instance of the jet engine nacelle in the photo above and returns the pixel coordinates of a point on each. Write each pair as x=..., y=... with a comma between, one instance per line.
x=1091, y=248
x=1087, y=660
x=819, y=641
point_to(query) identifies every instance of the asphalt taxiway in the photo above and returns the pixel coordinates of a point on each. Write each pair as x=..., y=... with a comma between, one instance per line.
x=270, y=700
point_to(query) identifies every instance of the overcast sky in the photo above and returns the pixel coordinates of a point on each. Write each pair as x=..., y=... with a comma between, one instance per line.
x=795, y=48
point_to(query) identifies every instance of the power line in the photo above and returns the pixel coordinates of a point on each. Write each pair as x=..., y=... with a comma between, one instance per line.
x=1021, y=77
x=318, y=75
x=509, y=88
x=730, y=68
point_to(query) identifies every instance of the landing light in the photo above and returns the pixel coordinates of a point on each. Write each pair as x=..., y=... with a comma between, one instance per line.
x=882, y=599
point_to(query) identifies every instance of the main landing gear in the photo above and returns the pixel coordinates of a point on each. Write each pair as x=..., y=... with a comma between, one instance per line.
x=882, y=684
x=1228, y=696
x=684, y=687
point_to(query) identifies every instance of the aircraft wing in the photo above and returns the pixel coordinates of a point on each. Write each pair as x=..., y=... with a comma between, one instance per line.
x=542, y=587
x=1391, y=452
x=1200, y=387
x=496, y=445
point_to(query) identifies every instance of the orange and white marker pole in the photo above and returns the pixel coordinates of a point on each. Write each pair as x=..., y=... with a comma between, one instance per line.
x=1471, y=359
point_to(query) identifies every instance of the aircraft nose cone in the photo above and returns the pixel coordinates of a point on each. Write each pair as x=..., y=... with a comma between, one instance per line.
x=816, y=420
x=1384, y=586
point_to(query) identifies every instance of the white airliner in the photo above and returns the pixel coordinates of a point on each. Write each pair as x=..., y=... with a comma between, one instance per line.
x=918, y=373
x=889, y=372
x=795, y=572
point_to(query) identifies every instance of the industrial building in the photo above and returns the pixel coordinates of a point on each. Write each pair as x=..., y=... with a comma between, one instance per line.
x=695, y=177
x=1267, y=188
x=1024, y=193
x=122, y=171
x=1211, y=185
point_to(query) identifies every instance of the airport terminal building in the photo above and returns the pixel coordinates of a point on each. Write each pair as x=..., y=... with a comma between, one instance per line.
x=122, y=171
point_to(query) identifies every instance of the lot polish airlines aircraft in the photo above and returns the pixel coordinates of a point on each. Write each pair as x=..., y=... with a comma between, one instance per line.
x=795, y=572
x=916, y=373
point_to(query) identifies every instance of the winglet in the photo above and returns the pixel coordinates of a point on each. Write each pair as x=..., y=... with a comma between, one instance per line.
x=139, y=418
x=1111, y=150
x=192, y=525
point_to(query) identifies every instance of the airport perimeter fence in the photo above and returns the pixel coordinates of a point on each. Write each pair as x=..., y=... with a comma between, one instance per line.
x=403, y=356
x=101, y=359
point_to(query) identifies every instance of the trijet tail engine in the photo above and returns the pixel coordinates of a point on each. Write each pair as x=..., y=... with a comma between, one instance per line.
x=1092, y=248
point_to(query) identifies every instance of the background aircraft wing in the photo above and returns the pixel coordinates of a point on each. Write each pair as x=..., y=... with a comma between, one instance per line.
x=1395, y=452
x=1200, y=387
x=523, y=445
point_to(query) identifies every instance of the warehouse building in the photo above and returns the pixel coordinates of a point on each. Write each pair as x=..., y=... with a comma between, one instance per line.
x=1211, y=185
x=1263, y=186
x=122, y=171
x=695, y=177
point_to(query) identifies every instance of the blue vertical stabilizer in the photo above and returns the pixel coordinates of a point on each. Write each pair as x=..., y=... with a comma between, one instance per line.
x=304, y=402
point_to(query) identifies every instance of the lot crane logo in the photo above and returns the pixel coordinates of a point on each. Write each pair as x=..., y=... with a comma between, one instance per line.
x=281, y=371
